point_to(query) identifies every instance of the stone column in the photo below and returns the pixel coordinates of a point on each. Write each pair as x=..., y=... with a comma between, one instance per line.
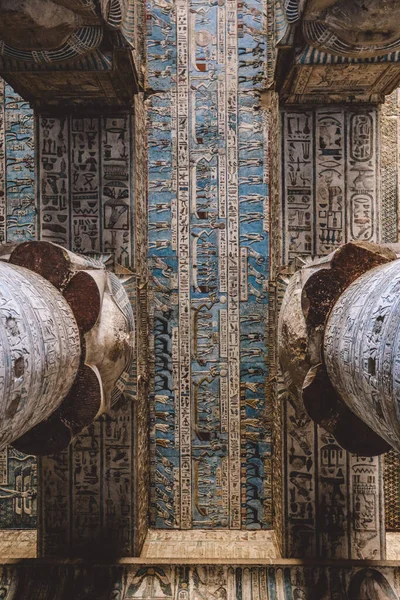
x=361, y=349
x=39, y=350
x=325, y=511
x=67, y=338
x=330, y=83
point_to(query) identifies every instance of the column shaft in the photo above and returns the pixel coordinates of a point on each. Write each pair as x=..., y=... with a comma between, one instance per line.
x=361, y=349
x=39, y=350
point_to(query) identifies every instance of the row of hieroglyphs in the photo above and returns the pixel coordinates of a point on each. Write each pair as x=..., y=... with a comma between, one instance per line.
x=183, y=582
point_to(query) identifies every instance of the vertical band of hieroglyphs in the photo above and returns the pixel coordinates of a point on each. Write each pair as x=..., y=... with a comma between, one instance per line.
x=20, y=179
x=85, y=183
x=2, y=163
x=389, y=127
x=298, y=184
x=184, y=262
x=233, y=264
x=363, y=193
x=330, y=182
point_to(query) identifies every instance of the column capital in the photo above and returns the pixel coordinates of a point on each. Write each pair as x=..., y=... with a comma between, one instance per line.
x=333, y=51
x=72, y=54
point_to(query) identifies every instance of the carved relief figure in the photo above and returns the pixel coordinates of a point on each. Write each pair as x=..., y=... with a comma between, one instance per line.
x=370, y=584
x=358, y=28
x=55, y=31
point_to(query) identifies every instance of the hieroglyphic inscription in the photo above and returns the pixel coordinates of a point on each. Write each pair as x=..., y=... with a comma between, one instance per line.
x=85, y=183
x=116, y=186
x=19, y=164
x=233, y=582
x=86, y=508
x=362, y=189
x=3, y=467
x=233, y=265
x=87, y=491
x=366, y=507
x=208, y=240
x=141, y=371
x=329, y=493
x=54, y=183
x=86, y=158
x=333, y=502
x=96, y=482
x=330, y=181
x=184, y=264
x=118, y=479
x=298, y=183
x=333, y=197
x=2, y=163
x=300, y=492
x=389, y=167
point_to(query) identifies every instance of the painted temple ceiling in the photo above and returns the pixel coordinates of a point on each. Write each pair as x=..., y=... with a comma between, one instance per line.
x=210, y=440
x=208, y=240
x=209, y=287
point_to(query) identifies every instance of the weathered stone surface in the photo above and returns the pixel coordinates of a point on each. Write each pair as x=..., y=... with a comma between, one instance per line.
x=333, y=51
x=355, y=258
x=363, y=27
x=293, y=337
x=36, y=24
x=59, y=53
